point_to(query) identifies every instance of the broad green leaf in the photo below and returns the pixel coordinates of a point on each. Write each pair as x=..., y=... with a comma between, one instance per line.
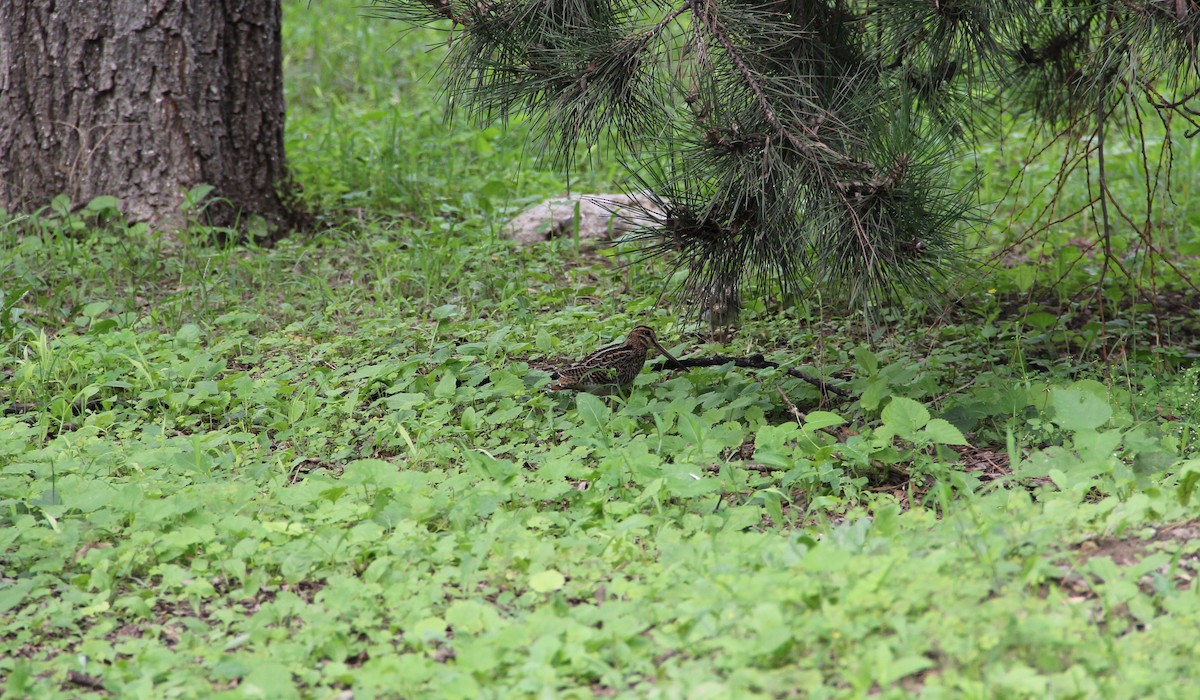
x=296, y=410
x=770, y=445
x=904, y=666
x=492, y=466
x=18, y=684
x=773, y=437
x=543, y=341
x=506, y=383
x=429, y=628
x=740, y=517
x=229, y=668
x=1043, y=320
x=469, y=420
x=446, y=385
x=867, y=360
x=638, y=522
x=268, y=679
x=104, y=203
x=399, y=402
x=103, y=326
x=195, y=195
x=471, y=617
x=95, y=308
x=547, y=581
x=905, y=416
x=369, y=471
x=942, y=432
x=1022, y=276
x=61, y=204
x=1189, y=476
x=1097, y=445
x=592, y=410
x=12, y=594
x=772, y=628
x=692, y=429
x=874, y=394
x=822, y=419
x=444, y=312
x=1075, y=409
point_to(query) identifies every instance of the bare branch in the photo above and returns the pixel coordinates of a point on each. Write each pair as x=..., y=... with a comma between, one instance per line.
x=756, y=362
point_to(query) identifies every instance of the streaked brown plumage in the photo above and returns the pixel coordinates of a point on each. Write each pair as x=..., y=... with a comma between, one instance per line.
x=611, y=368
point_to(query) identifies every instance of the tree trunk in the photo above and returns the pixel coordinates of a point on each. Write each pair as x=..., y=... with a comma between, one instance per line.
x=143, y=100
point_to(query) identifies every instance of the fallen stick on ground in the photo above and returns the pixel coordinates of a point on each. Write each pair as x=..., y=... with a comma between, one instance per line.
x=755, y=362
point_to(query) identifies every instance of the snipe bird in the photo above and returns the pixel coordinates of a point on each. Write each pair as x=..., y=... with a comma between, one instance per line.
x=613, y=368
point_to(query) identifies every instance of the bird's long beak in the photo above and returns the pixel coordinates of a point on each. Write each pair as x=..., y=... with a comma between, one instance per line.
x=663, y=350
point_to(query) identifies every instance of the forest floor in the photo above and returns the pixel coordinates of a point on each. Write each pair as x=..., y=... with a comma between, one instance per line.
x=328, y=467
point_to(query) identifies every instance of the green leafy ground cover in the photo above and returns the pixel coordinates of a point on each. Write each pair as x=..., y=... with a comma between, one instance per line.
x=327, y=467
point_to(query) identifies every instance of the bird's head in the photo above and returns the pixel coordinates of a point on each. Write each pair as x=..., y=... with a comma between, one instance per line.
x=643, y=337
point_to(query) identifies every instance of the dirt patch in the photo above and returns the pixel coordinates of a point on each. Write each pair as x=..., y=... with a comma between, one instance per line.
x=1181, y=538
x=984, y=461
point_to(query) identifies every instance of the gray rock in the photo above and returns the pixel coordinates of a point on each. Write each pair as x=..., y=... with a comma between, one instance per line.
x=600, y=217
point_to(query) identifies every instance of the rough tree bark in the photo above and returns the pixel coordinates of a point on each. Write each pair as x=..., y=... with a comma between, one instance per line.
x=143, y=99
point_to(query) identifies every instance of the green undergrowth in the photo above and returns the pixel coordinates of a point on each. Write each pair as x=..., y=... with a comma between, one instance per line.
x=329, y=467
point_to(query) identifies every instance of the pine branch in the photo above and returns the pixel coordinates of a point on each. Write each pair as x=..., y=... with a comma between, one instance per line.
x=808, y=143
x=707, y=17
x=657, y=29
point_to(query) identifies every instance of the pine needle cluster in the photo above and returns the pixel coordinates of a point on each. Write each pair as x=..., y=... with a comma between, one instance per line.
x=818, y=143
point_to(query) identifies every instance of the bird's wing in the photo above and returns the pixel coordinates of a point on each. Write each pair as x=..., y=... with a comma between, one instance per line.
x=581, y=373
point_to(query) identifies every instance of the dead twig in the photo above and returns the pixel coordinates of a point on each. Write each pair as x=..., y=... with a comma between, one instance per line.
x=801, y=416
x=750, y=467
x=796, y=413
x=757, y=362
x=77, y=678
